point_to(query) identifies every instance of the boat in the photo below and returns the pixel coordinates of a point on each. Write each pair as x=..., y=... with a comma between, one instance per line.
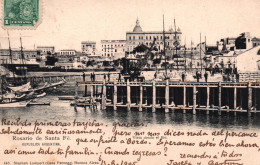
x=16, y=104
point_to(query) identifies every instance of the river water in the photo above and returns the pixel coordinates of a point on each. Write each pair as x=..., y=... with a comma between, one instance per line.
x=60, y=110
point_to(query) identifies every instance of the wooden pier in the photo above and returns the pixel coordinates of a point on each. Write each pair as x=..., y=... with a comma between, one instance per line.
x=173, y=96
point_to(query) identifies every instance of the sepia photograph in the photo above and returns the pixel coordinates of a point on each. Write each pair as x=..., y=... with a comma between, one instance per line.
x=129, y=82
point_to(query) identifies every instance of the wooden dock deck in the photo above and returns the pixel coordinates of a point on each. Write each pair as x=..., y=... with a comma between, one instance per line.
x=170, y=95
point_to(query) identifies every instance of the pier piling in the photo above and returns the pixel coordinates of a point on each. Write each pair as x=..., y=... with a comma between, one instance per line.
x=208, y=96
x=104, y=90
x=128, y=91
x=184, y=99
x=249, y=99
x=141, y=99
x=219, y=98
x=194, y=100
x=154, y=97
x=235, y=100
x=167, y=96
x=115, y=96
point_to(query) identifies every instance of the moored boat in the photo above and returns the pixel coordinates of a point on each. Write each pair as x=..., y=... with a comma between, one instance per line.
x=14, y=104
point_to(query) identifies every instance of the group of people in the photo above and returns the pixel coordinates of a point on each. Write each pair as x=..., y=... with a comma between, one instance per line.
x=199, y=76
x=92, y=76
x=107, y=77
x=171, y=75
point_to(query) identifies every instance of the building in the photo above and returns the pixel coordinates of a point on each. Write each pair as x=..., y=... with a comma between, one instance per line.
x=249, y=61
x=244, y=41
x=70, y=62
x=46, y=49
x=255, y=41
x=226, y=44
x=88, y=47
x=114, y=49
x=69, y=52
x=29, y=56
x=138, y=37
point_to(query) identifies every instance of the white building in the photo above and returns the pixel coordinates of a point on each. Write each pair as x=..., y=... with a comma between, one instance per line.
x=249, y=61
x=113, y=48
x=46, y=49
x=68, y=52
x=88, y=47
x=138, y=36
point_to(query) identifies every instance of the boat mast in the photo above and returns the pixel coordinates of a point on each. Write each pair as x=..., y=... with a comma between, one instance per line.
x=200, y=54
x=11, y=57
x=176, y=44
x=185, y=54
x=205, y=49
x=164, y=48
x=191, y=56
x=22, y=58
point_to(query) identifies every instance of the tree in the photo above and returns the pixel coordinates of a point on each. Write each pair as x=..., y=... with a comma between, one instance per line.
x=51, y=60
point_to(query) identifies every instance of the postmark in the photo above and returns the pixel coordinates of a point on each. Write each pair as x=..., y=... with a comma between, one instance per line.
x=21, y=14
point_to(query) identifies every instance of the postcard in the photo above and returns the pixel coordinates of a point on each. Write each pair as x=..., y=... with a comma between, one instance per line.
x=121, y=82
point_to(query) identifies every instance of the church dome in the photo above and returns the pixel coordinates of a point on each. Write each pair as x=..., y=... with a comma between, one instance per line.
x=137, y=27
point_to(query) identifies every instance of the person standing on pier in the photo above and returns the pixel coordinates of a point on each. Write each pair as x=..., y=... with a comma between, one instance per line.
x=84, y=76
x=94, y=76
x=119, y=77
x=198, y=76
x=108, y=76
x=206, y=76
x=155, y=75
x=183, y=76
x=105, y=76
x=237, y=77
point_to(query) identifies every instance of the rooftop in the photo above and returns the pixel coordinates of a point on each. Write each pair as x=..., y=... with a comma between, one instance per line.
x=88, y=42
x=113, y=41
x=137, y=27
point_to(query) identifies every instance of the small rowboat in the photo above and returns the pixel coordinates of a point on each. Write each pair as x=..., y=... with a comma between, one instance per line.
x=14, y=104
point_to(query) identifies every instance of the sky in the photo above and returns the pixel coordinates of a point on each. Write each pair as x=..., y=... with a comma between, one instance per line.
x=65, y=23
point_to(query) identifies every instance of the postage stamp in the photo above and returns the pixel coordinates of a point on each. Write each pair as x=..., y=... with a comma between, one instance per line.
x=21, y=14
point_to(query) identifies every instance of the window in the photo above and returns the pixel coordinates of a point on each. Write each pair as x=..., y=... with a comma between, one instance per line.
x=129, y=37
x=133, y=37
x=115, y=50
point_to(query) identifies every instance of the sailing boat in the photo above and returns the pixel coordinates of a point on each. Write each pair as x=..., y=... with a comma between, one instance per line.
x=10, y=99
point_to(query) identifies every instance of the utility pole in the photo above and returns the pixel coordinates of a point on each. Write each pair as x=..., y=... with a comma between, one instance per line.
x=164, y=48
x=185, y=54
x=22, y=58
x=191, y=51
x=200, y=54
x=205, y=52
x=176, y=44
